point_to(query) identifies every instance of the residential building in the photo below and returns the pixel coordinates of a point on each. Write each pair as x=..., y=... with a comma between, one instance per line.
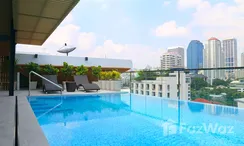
x=213, y=58
x=170, y=60
x=164, y=86
x=242, y=59
x=195, y=55
x=180, y=51
x=230, y=56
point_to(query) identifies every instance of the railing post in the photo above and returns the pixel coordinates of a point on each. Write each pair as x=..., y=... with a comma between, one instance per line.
x=130, y=82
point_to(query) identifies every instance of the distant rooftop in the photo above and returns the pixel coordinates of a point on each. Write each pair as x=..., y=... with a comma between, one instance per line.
x=175, y=47
x=171, y=53
x=213, y=39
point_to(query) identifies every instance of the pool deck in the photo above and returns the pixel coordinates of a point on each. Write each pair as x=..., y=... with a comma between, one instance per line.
x=29, y=131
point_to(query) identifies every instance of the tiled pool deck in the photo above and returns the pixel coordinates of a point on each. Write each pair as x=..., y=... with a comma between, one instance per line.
x=30, y=132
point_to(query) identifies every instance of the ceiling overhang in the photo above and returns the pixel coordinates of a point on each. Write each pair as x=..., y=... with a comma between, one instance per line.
x=35, y=20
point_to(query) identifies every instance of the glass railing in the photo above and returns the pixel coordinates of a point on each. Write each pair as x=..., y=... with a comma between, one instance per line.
x=222, y=86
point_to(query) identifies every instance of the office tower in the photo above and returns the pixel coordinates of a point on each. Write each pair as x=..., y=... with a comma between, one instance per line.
x=170, y=60
x=213, y=58
x=180, y=51
x=195, y=55
x=230, y=56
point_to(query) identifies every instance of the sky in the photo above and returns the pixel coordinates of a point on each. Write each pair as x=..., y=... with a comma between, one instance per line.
x=142, y=30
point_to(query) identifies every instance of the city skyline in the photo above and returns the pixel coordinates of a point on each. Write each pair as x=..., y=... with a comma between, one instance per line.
x=126, y=29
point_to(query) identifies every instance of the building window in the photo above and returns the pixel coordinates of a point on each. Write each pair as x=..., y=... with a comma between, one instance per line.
x=168, y=87
x=160, y=94
x=142, y=86
x=168, y=95
x=147, y=93
x=153, y=87
x=160, y=87
x=147, y=86
x=153, y=94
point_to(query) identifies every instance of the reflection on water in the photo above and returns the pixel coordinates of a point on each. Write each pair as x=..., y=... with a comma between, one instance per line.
x=109, y=105
x=133, y=116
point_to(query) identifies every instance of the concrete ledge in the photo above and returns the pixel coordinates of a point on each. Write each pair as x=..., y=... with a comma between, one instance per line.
x=7, y=121
x=30, y=132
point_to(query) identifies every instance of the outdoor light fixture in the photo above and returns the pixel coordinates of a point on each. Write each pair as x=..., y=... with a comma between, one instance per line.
x=36, y=56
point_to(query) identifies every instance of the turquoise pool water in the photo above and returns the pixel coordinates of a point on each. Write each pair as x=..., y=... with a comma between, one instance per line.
x=134, y=120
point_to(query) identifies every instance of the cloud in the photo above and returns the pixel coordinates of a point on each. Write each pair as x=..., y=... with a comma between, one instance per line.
x=184, y=4
x=170, y=29
x=222, y=20
x=166, y=3
x=140, y=55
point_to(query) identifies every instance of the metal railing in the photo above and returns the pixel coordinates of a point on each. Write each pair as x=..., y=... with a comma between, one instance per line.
x=32, y=72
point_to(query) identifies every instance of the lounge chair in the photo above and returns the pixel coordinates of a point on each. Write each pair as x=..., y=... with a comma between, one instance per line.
x=49, y=87
x=82, y=80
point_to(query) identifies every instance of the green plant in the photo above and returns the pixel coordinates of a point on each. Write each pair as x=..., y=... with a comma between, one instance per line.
x=102, y=75
x=115, y=75
x=32, y=67
x=96, y=71
x=108, y=75
x=50, y=70
x=67, y=70
x=81, y=70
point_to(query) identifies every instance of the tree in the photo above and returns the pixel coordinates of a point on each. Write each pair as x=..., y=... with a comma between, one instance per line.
x=217, y=82
x=198, y=83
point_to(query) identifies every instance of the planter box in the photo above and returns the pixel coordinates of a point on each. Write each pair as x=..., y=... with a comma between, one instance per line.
x=70, y=86
x=115, y=85
x=107, y=85
x=103, y=84
x=33, y=85
x=96, y=82
x=100, y=84
x=64, y=85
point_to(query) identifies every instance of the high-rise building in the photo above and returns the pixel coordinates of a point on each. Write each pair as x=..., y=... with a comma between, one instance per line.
x=170, y=60
x=240, y=73
x=242, y=59
x=195, y=55
x=230, y=56
x=213, y=58
x=180, y=51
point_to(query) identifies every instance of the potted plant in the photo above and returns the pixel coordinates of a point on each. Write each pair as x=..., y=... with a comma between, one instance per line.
x=49, y=70
x=67, y=71
x=81, y=70
x=96, y=72
x=115, y=83
x=32, y=67
x=108, y=76
x=102, y=80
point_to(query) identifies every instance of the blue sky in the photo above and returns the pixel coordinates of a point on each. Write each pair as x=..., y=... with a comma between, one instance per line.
x=141, y=30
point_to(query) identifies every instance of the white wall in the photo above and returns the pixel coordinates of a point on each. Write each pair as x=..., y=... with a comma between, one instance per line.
x=76, y=61
x=164, y=81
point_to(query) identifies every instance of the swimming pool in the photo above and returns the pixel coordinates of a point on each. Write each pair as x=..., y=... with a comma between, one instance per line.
x=128, y=119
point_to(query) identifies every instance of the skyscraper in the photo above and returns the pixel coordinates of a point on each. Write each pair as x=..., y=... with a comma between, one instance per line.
x=181, y=52
x=230, y=56
x=170, y=60
x=213, y=58
x=242, y=59
x=195, y=55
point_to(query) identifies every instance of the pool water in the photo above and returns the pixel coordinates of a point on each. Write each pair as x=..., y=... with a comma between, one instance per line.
x=134, y=120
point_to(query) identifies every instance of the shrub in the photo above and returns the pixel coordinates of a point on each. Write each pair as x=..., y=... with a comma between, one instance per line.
x=96, y=71
x=32, y=67
x=50, y=70
x=115, y=75
x=81, y=70
x=67, y=70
